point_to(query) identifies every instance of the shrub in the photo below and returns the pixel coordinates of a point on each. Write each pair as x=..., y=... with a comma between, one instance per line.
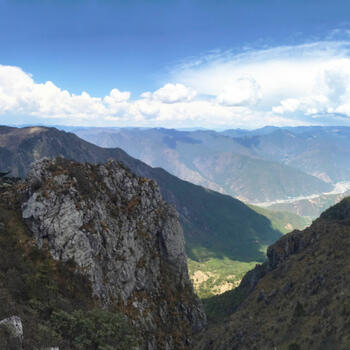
x=93, y=330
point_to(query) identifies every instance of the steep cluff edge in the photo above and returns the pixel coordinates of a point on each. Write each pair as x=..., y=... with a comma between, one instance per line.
x=124, y=237
x=298, y=299
x=48, y=304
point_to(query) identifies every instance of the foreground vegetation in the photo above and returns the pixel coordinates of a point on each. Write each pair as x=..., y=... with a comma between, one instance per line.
x=52, y=298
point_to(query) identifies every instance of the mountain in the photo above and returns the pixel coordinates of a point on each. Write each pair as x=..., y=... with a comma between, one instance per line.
x=311, y=207
x=127, y=240
x=323, y=152
x=298, y=299
x=211, y=159
x=284, y=221
x=215, y=225
x=93, y=258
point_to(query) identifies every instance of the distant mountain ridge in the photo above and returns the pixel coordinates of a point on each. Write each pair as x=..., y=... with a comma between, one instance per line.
x=323, y=152
x=215, y=160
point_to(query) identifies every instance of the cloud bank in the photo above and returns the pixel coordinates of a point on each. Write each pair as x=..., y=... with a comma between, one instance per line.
x=289, y=85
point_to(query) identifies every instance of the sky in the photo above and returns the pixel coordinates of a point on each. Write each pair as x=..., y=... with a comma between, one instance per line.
x=184, y=63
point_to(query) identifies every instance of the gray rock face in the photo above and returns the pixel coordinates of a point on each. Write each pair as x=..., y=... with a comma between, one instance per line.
x=120, y=232
x=14, y=324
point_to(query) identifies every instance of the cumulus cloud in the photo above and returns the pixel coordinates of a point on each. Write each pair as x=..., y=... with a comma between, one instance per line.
x=330, y=92
x=291, y=85
x=172, y=93
x=240, y=92
x=21, y=95
x=301, y=80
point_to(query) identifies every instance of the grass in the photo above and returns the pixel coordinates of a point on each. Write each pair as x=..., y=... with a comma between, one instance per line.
x=216, y=276
x=52, y=298
x=283, y=221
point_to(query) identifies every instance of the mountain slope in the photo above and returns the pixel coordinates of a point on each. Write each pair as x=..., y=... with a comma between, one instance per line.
x=216, y=276
x=215, y=225
x=320, y=151
x=283, y=221
x=210, y=159
x=53, y=299
x=312, y=207
x=125, y=239
x=299, y=299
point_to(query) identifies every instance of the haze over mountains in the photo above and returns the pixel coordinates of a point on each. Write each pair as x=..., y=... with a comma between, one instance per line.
x=260, y=166
x=220, y=244
x=266, y=165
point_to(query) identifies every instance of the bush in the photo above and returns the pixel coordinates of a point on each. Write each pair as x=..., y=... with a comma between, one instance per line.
x=93, y=330
x=293, y=346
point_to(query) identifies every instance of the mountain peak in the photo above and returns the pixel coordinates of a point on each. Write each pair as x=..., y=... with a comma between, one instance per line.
x=126, y=239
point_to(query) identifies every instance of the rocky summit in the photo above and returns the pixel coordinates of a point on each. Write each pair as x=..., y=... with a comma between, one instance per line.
x=299, y=299
x=123, y=237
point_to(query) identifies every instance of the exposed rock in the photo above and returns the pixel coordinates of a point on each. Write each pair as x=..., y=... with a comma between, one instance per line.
x=121, y=233
x=14, y=324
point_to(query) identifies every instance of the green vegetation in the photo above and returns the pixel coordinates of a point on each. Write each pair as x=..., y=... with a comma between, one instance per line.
x=216, y=276
x=215, y=225
x=212, y=275
x=52, y=298
x=283, y=221
x=220, y=306
x=93, y=329
x=300, y=301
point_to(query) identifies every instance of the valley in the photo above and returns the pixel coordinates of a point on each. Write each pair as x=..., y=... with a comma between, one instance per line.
x=174, y=175
x=224, y=238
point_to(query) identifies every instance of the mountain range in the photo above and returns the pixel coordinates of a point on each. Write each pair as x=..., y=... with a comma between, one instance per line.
x=323, y=152
x=264, y=166
x=92, y=256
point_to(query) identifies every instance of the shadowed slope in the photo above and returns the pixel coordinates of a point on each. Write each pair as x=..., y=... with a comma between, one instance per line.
x=299, y=299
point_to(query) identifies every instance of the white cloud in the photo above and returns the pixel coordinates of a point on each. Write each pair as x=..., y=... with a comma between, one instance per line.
x=240, y=92
x=329, y=94
x=305, y=79
x=116, y=96
x=292, y=85
x=172, y=93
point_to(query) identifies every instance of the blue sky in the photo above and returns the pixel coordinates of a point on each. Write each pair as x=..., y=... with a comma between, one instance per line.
x=173, y=63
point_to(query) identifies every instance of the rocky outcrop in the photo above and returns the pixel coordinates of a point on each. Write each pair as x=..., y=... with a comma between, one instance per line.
x=124, y=237
x=14, y=325
x=298, y=299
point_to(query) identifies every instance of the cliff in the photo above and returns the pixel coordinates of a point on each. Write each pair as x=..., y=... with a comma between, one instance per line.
x=123, y=237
